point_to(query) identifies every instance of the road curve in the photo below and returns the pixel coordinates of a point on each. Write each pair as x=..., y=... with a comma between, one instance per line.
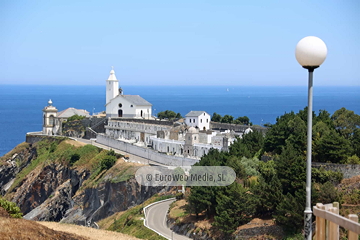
x=156, y=220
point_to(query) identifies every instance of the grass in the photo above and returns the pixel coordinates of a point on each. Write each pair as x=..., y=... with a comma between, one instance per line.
x=131, y=221
x=19, y=148
x=43, y=152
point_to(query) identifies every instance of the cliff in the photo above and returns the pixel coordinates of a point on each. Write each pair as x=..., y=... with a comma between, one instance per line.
x=57, y=179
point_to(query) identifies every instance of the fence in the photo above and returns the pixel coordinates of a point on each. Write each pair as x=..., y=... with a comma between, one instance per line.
x=328, y=221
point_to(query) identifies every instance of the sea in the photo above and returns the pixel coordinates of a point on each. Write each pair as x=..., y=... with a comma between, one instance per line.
x=21, y=105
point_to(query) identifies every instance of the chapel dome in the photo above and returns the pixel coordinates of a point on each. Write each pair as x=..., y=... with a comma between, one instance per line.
x=192, y=130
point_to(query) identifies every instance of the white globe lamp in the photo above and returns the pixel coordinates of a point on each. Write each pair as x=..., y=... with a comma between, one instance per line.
x=310, y=52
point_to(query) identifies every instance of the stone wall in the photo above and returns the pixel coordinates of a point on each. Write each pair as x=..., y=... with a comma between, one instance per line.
x=35, y=137
x=146, y=121
x=145, y=152
x=236, y=127
x=348, y=170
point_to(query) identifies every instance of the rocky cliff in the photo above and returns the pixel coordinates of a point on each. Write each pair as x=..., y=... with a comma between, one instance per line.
x=47, y=184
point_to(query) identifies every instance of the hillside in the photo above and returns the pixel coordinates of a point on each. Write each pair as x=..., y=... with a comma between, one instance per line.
x=57, y=179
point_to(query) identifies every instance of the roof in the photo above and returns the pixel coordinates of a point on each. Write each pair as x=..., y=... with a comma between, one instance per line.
x=137, y=100
x=195, y=113
x=71, y=112
x=112, y=76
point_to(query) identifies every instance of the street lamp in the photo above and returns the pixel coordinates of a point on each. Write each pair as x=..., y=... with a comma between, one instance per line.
x=310, y=53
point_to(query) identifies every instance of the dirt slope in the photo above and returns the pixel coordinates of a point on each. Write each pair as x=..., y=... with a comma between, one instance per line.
x=89, y=233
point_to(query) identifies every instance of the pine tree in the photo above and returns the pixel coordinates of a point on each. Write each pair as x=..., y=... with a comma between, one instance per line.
x=234, y=208
x=268, y=192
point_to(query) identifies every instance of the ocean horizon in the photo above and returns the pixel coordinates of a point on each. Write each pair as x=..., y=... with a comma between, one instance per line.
x=21, y=105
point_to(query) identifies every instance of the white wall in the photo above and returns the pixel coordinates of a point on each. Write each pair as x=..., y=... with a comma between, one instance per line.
x=200, y=121
x=145, y=152
x=113, y=107
x=112, y=89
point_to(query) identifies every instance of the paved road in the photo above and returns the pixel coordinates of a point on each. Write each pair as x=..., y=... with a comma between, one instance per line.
x=156, y=219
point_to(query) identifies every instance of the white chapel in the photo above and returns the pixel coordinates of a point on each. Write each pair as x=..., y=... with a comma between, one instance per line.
x=126, y=106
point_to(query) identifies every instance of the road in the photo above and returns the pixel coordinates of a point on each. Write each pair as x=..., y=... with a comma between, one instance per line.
x=156, y=219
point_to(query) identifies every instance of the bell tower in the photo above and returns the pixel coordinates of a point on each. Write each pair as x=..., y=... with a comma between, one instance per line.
x=49, y=115
x=112, y=86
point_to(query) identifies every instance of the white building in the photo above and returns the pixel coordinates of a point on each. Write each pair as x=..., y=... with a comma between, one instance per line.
x=127, y=106
x=49, y=115
x=198, y=119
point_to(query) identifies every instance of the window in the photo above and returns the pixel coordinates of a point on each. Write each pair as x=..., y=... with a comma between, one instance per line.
x=131, y=105
x=194, y=120
x=194, y=137
x=207, y=120
x=204, y=114
x=120, y=105
x=190, y=120
x=201, y=120
x=51, y=120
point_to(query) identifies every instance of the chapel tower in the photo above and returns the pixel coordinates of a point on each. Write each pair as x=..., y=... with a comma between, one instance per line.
x=49, y=116
x=112, y=86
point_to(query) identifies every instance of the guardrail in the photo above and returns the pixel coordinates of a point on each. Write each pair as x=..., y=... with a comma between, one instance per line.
x=328, y=221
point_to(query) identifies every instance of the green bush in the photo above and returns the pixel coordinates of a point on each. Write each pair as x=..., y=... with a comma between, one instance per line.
x=320, y=175
x=11, y=208
x=74, y=158
x=75, y=118
x=107, y=162
x=179, y=196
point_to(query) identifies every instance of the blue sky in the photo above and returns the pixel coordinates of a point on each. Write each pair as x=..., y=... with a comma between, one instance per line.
x=190, y=42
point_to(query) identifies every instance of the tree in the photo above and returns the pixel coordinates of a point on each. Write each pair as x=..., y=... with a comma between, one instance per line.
x=278, y=133
x=242, y=120
x=346, y=122
x=332, y=148
x=268, y=192
x=216, y=117
x=227, y=119
x=290, y=167
x=289, y=212
x=249, y=145
x=167, y=114
x=178, y=116
x=234, y=207
x=75, y=118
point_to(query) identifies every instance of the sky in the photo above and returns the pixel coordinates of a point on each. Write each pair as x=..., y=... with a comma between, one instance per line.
x=189, y=42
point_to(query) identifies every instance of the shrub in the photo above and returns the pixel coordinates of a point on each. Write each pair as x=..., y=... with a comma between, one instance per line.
x=74, y=158
x=107, y=162
x=11, y=208
x=179, y=196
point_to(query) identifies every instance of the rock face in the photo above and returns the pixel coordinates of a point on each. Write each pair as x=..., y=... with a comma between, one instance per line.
x=42, y=183
x=13, y=166
x=55, y=192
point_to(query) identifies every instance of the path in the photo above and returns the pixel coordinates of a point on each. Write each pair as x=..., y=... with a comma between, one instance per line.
x=156, y=219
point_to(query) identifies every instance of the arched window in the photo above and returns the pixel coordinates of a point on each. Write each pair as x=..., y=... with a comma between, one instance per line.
x=51, y=120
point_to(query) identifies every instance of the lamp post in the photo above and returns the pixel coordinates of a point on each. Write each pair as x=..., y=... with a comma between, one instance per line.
x=310, y=53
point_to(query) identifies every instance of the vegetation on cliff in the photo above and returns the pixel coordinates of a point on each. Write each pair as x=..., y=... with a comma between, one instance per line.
x=277, y=188
x=10, y=208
